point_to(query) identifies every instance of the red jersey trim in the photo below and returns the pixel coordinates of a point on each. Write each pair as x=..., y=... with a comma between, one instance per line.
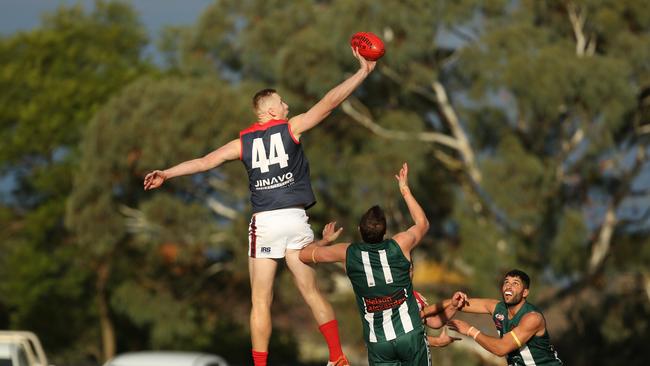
x=262, y=126
x=293, y=137
x=253, y=238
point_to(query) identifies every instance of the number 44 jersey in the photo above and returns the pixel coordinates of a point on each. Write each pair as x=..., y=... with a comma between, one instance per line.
x=278, y=170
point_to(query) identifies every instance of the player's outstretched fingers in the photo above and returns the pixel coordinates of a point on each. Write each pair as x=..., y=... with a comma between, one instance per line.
x=330, y=234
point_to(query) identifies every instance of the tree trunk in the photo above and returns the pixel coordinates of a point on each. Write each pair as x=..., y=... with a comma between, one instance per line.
x=105, y=323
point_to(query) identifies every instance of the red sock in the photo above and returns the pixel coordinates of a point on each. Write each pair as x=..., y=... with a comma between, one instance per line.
x=259, y=358
x=330, y=331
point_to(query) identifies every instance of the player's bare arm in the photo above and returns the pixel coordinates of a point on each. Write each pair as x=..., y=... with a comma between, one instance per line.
x=479, y=306
x=457, y=300
x=440, y=319
x=530, y=324
x=229, y=151
x=319, y=251
x=324, y=254
x=442, y=340
x=332, y=99
x=408, y=239
x=440, y=313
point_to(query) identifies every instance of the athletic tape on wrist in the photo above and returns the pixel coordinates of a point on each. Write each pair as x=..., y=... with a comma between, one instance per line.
x=469, y=331
x=313, y=259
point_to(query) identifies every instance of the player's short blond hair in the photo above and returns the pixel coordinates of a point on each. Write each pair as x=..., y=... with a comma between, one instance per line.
x=260, y=96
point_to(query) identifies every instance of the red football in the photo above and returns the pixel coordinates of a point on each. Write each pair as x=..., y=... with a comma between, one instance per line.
x=370, y=46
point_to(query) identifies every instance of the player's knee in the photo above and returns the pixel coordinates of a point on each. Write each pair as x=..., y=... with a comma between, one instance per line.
x=261, y=302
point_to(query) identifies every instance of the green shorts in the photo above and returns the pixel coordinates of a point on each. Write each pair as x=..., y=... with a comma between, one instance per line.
x=410, y=349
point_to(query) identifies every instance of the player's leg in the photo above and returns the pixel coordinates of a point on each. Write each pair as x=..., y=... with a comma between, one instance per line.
x=304, y=277
x=266, y=246
x=262, y=272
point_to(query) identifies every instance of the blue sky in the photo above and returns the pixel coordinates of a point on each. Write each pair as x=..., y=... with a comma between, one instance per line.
x=22, y=15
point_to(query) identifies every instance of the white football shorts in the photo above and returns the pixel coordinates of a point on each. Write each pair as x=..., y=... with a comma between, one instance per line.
x=271, y=233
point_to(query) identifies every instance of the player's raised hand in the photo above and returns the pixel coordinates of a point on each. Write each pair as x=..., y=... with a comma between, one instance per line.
x=402, y=178
x=364, y=64
x=154, y=179
x=330, y=233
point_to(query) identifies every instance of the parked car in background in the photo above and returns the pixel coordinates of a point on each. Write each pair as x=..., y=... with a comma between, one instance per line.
x=21, y=348
x=166, y=358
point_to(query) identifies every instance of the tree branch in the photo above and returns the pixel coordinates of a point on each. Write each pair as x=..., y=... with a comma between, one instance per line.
x=602, y=244
x=221, y=209
x=464, y=148
x=368, y=122
x=567, y=148
x=449, y=115
x=136, y=221
x=397, y=78
x=462, y=34
x=468, y=163
x=600, y=248
x=449, y=161
x=477, y=193
x=577, y=18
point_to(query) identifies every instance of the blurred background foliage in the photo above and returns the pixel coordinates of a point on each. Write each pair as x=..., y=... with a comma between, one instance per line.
x=525, y=125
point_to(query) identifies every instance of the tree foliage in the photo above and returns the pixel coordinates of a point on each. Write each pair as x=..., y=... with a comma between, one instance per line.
x=524, y=124
x=54, y=78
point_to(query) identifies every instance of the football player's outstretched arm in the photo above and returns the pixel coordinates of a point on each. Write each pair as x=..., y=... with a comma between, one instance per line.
x=408, y=239
x=332, y=99
x=440, y=313
x=530, y=324
x=324, y=254
x=319, y=251
x=442, y=340
x=479, y=306
x=229, y=151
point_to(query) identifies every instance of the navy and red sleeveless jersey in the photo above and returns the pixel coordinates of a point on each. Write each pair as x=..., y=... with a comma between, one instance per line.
x=278, y=170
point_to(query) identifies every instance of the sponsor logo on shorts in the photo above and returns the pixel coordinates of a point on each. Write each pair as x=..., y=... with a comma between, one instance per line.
x=265, y=250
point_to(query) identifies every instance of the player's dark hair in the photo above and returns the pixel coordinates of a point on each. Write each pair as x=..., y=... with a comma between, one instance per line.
x=261, y=95
x=373, y=225
x=521, y=275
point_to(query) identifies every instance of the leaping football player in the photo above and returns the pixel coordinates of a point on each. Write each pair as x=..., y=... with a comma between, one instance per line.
x=280, y=186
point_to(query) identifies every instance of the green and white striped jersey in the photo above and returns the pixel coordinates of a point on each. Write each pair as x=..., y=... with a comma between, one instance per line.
x=537, y=351
x=380, y=276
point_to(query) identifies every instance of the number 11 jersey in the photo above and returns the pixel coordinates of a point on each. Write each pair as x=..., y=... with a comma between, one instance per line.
x=278, y=170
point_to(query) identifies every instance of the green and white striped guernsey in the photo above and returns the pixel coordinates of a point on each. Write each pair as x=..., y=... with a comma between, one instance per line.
x=537, y=351
x=380, y=276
